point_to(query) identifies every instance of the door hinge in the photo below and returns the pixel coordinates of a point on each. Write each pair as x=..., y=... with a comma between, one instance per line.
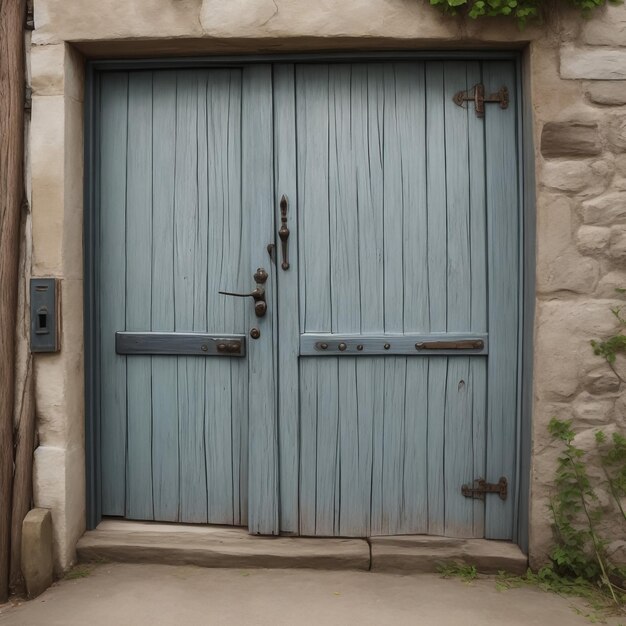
x=477, y=95
x=481, y=487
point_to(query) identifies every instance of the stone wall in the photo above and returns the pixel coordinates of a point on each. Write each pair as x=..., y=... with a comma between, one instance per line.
x=580, y=123
x=577, y=75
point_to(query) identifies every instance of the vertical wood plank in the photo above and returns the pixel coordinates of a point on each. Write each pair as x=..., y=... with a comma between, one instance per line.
x=289, y=413
x=313, y=215
x=410, y=94
x=258, y=194
x=138, y=294
x=367, y=120
x=164, y=398
x=113, y=146
x=308, y=445
x=437, y=294
x=223, y=255
x=345, y=296
x=458, y=457
x=479, y=293
x=193, y=477
x=503, y=264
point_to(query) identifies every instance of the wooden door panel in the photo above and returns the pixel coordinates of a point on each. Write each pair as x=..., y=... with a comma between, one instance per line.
x=173, y=233
x=392, y=206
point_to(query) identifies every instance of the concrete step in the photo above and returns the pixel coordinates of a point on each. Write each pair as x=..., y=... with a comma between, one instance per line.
x=421, y=553
x=217, y=546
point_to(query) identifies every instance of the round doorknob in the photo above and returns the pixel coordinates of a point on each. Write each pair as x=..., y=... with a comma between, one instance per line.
x=260, y=276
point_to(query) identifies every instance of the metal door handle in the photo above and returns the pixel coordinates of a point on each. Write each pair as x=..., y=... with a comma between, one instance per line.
x=257, y=294
x=283, y=232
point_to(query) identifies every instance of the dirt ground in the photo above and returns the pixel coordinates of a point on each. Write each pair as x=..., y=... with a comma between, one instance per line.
x=155, y=595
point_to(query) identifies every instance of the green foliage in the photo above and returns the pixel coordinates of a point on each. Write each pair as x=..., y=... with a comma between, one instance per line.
x=579, y=557
x=452, y=569
x=520, y=10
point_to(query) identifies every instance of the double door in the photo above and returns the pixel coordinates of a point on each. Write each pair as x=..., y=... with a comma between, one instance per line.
x=371, y=371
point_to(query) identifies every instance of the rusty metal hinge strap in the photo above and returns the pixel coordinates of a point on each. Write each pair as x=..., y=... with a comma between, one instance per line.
x=482, y=487
x=477, y=95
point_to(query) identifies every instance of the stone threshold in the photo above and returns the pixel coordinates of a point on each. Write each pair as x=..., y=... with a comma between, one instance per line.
x=218, y=546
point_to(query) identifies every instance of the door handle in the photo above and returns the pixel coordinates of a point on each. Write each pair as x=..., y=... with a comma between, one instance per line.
x=283, y=232
x=257, y=294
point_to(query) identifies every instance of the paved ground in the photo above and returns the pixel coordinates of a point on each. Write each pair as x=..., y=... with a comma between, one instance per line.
x=155, y=595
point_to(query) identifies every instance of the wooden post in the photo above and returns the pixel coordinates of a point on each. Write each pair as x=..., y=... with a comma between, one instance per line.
x=12, y=14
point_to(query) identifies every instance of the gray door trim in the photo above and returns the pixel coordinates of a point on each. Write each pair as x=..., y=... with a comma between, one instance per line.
x=90, y=228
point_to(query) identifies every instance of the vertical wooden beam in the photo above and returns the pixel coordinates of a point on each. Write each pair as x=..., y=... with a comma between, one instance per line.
x=12, y=13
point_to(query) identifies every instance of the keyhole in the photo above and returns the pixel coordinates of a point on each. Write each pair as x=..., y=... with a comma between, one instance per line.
x=461, y=385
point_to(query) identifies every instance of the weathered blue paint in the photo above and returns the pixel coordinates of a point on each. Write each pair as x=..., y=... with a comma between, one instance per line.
x=393, y=230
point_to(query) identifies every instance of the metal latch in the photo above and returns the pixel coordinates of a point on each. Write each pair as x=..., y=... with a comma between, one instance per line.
x=481, y=487
x=477, y=95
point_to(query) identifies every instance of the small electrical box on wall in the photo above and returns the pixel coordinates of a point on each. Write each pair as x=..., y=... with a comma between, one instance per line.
x=44, y=318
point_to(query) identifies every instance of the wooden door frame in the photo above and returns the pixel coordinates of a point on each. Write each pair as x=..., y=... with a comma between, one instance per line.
x=526, y=204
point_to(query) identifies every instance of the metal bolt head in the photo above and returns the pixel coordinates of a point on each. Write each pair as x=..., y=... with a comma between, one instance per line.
x=323, y=346
x=387, y=346
x=255, y=333
x=342, y=346
x=204, y=347
x=359, y=347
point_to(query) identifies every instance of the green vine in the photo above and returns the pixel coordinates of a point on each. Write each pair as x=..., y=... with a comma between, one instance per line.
x=581, y=550
x=520, y=10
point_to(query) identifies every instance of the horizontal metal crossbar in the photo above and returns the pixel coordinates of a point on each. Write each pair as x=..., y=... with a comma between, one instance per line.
x=180, y=344
x=330, y=344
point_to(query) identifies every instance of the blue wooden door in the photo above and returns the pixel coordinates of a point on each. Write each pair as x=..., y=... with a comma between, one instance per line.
x=184, y=196
x=403, y=215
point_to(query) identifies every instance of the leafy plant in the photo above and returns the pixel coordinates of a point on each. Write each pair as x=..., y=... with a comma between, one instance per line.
x=521, y=10
x=452, y=569
x=580, y=553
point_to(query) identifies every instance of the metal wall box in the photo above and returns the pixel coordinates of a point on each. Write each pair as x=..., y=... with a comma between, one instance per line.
x=44, y=317
x=179, y=344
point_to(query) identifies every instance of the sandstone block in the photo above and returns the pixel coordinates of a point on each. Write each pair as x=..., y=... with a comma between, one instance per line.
x=591, y=409
x=604, y=63
x=608, y=28
x=602, y=380
x=616, y=133
x=610, y=93
x=563, y=355
x=47, y=70
x=617, y=244
x=37, y=565
x=610, y=283
x=587, y=178
x=606, y=209
x=592, y=239
x=559, y=265
x=570, y=139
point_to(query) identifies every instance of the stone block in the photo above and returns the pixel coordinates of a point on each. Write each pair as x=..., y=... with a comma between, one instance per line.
x=607, y=209
x=617, y=243
x=212, y=546
x=563, y=355
x=616, y=133
x=47, y=70
x=584, y=177
x=590, y=409
x=37, y=563
x=604, y=63
x=418, y=554
x=611, y=93
x=610, y=283
x=570, y=139
x=559, y=265
x=607, y=28
x=602, y=380
x=592, y=239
